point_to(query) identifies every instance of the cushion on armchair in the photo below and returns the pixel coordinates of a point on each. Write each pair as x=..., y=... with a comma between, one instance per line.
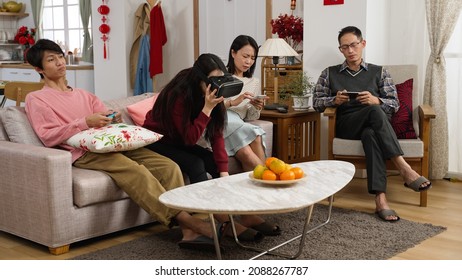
x=401, y=121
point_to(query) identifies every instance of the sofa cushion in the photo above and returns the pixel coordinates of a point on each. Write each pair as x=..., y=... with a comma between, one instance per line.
x=138, y=110
x=120, y=105
x=401, y=121
x=18, y=128
x=345, y=147
x=3, y=134
x=113, y=138
x=91, y=187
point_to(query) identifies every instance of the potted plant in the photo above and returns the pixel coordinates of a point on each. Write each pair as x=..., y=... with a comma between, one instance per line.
x=299, y=86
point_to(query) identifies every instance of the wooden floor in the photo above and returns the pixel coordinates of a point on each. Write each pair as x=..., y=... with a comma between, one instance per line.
x=444, y=209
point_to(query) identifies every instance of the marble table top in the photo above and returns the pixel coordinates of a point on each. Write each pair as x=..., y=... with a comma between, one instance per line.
x=238, y=194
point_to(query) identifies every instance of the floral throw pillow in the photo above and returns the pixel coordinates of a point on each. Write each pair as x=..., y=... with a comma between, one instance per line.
x=401, y=121
x=113, y=138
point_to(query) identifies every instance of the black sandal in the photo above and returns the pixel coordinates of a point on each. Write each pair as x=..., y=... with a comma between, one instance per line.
x=268, y=229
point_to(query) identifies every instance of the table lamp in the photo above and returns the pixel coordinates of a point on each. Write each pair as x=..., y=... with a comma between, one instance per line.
x=276, y=47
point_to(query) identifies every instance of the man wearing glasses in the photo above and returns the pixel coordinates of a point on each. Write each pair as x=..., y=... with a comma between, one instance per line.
x=366, y=98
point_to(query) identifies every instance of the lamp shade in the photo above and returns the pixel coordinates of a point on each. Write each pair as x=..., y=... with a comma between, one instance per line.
x=276, y=47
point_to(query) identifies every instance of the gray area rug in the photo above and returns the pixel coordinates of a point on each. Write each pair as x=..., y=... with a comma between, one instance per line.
x=350, y=235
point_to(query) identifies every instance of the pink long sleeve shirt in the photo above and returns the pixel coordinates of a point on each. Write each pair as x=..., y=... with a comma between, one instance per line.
x=56, y=115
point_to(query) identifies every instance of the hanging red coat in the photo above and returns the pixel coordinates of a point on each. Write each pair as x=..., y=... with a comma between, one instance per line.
x=158, y=39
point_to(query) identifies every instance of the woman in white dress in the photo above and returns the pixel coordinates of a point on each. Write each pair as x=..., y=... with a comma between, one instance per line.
x=244, y=140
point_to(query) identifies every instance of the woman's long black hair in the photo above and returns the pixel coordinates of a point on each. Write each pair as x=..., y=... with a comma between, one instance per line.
x=187, y=84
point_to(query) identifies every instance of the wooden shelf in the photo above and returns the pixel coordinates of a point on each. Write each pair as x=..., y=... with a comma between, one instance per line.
x=17, y=15
x=284, y=72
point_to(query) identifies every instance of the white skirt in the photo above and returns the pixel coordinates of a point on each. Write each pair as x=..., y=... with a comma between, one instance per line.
x=239, y=133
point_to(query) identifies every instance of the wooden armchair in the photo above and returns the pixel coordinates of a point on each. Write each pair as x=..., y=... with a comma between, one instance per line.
x=18, y=90
x=415, y=150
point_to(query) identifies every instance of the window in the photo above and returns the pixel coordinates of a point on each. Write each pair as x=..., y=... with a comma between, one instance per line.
x=62, y=23
x=453, y=57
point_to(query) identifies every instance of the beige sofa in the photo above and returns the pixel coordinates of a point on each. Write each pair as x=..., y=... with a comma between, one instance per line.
x=43, y=198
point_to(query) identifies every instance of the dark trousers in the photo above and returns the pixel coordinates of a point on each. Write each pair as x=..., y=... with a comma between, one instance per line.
x=371, y=125
x=195, y=161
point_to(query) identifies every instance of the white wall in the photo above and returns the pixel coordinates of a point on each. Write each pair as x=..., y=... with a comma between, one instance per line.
x=112, y=75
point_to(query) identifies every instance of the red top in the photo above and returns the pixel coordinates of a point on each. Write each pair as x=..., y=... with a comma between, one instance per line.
x=193, y=133
x=158, y=39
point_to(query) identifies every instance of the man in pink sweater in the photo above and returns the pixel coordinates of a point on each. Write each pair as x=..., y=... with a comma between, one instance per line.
x=58, y=112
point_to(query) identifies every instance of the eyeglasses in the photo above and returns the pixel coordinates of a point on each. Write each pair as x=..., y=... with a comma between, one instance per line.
x=352, y=45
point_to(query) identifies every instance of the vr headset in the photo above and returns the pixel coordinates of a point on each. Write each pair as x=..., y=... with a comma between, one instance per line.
x=227, y=85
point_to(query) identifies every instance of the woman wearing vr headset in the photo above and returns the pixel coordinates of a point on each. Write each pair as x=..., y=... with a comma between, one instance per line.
x=187, y=109
x=244, y=140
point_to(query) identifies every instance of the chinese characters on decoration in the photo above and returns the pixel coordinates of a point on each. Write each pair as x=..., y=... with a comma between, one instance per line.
x=104, y=27
x=289, y=28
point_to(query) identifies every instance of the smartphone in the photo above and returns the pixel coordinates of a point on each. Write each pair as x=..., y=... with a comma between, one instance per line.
x=111, y=115
x=260, y=96
x=352, y=94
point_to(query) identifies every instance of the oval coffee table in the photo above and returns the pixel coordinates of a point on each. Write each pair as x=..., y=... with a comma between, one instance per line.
x=240, y=195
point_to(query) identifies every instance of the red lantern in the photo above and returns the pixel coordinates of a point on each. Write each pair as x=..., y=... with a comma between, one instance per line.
x=104, y=28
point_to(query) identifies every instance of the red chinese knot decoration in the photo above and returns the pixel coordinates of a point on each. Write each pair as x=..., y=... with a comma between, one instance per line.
x=104, y=27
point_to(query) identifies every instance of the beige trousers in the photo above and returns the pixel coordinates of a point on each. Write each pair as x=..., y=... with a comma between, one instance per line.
x=144, y=175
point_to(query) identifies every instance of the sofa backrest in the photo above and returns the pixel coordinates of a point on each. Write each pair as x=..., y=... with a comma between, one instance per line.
x=15, y=127
x=120, y=105
x=3, y=134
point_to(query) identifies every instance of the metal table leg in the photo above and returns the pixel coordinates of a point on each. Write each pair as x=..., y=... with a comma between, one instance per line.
x=301, y=236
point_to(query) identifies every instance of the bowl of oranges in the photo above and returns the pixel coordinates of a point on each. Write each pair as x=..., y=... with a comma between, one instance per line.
x=276, y=172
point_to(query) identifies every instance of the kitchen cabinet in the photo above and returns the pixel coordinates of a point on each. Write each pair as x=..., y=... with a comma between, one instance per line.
x=18, y=74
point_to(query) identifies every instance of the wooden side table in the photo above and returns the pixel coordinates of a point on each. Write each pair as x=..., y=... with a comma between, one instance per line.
x=296, y=134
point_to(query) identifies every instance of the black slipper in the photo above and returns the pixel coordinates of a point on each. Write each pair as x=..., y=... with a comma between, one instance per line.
x=415, y=185
x=201, y=243
x=250, y=235
x=268, y=229
x=384, y=213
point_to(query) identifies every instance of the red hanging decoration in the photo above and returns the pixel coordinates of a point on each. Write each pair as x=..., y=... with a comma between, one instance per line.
x=292, y=4
x=104, y=27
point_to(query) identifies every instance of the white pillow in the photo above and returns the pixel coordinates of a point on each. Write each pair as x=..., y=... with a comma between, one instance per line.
x=113, y=138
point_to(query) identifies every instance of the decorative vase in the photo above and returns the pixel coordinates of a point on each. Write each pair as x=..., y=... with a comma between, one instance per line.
x=25, y=49
x=301, y=102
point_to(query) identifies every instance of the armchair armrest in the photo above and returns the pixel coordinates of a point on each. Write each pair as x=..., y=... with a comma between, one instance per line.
x=330, y=112
x=36, y=190
x=426, y=113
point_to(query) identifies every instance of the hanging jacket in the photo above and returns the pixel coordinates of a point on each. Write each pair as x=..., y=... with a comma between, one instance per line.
x=141, y=27
x=143, y=82
x=158, y=39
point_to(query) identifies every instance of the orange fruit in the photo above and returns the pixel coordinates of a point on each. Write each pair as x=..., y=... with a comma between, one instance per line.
x=258, y=171
x=269, y=175
x=277, y=166
x=269, y=160
x=298, y=172
x=287, y=175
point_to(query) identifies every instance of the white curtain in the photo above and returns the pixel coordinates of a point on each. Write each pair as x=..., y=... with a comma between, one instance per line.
x=441, y=18
x=37, y=11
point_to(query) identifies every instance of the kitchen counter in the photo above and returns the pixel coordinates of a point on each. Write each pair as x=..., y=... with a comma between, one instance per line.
x=28, y=66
